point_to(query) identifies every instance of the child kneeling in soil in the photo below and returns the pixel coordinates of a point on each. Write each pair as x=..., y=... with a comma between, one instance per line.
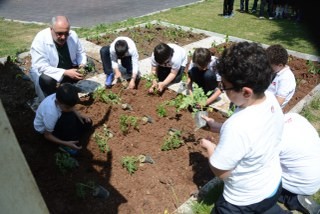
x=59, y=122
x=202, y=72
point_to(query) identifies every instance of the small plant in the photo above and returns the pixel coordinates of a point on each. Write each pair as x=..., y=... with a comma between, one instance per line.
x=149, y=79
x=312, y=68
x=130, y=163
x=161, y=110
x=172, y=141
x=128, y=121
x=82, y=188
x=196, y=101
x=65, y=162
x=110, y=97
x=102, y=142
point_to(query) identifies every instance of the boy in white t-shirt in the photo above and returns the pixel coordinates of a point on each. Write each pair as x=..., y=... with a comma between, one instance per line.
x=247, y=155
x=299, y=158
x=122, y=49
x=202, y=72
x=168, y=62
x=59, y=122
x=284, y=83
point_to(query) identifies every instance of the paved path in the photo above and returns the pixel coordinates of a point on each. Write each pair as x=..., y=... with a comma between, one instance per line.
x=84, y=13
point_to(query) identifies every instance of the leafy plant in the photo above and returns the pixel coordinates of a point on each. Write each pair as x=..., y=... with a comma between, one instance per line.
x=172, y=141
x=130, y=163
x=110, y=97
x=128, y=121
x=82, y=188
x=149, y=79
x=65, y=162
x=102, y=142
x=312, y=68
x=161, y=110
x=196, y=101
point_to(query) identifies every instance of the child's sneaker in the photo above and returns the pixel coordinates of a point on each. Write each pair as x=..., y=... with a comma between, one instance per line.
x=109, y=80
x=68, y=150
x=309, y=204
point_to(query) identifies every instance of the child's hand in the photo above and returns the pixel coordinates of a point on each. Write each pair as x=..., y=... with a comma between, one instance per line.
x=84, y=119
x=161, y=86
x=208, y=145
x=207, y=119
x=73, y=145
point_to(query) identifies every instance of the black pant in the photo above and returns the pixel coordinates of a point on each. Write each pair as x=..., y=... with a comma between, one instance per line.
x=69, y=127
x=266, y=206
x=126, y=62
x=49, y=85
x=163, y=72
x=244, y=5
x=227, y=7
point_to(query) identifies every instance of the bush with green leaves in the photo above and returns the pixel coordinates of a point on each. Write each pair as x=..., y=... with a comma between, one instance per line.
x=102, y=95
x=130, y=163
x=312, y=67
x=127, y=122
x=65, y=162
x=172, y=141
x=149, y=79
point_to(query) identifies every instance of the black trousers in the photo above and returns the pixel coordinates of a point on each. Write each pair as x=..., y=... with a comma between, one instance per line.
x=69, y=127
x=163, y=72
x=49, y=85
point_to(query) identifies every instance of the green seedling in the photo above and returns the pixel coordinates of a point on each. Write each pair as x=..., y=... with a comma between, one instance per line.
x=172, y=141
x=130, y=163
x=65, y=162
x=126, y=122
x=83, y=188
x=312, y=68
x=161, y=110
x=110, y=97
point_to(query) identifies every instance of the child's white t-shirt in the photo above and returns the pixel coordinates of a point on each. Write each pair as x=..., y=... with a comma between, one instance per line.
x=283, y=85
x=47, y=115
x=178, y=59
x=300, y=156
x=249, y=146
x=210, y=66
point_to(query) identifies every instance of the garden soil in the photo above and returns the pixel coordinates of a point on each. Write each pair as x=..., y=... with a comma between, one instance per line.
x=154, y=187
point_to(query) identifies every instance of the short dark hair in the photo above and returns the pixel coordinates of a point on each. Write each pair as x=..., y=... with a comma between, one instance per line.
x=67, y=94
x=162, y=52
x=201, y=57
x=121, y=48
x=277, y=55
x=246, y=64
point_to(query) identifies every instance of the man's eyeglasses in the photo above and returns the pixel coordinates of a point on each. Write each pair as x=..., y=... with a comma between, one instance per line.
x=61, y=33
x=222, y=88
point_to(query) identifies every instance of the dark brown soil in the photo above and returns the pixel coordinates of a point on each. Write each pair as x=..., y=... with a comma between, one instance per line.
x=153, y=188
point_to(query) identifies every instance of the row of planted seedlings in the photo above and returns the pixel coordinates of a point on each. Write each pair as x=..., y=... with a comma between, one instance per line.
x=128, y=123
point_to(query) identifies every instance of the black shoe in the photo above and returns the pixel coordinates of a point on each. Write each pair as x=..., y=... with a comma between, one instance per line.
x=309, y=204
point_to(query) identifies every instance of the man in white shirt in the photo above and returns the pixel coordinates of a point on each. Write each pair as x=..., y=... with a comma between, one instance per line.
x=56, y=54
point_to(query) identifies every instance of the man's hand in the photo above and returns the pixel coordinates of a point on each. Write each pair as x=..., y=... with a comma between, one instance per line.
x=73, y=74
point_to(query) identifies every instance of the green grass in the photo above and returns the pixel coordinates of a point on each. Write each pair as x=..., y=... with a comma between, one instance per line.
x=16, y=37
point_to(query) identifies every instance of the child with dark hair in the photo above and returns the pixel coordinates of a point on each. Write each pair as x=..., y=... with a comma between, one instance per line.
x=125, y=50
x=246, y=157
x=283, y=85
x=59, y=122
x=168, y=62
x=202, y=71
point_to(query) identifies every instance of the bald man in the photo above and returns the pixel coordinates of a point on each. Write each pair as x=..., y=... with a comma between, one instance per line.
x=56, y=54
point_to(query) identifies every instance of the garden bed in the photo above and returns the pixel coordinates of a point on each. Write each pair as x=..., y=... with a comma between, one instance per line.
x=153, y=188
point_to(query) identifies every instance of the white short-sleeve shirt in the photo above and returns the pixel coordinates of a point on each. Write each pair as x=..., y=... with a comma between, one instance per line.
x=249, y=146
x=283, y=85
x=300, y=156
x=178, y=59
x=47, y=115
